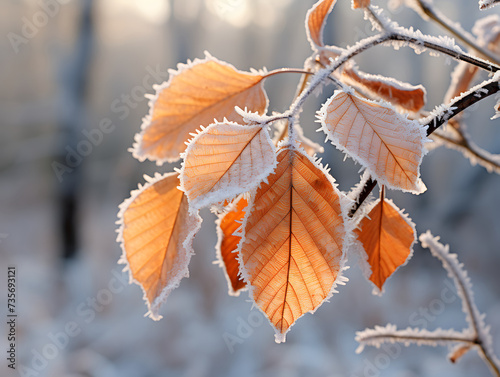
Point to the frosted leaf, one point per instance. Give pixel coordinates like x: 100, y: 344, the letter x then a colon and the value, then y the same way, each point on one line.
x: 388, y: 144
x: 360, y: 3
x: 315, y: 21
x: 225, y: 160
x: 458, y: 351
x: 195, y: 94
x: 487, y: 30
x: 228, y: 236
x: 403, y: 96
x: 461, y: 80
x: 387, y: 236
x: 156, y: 234
x: 294, y: 240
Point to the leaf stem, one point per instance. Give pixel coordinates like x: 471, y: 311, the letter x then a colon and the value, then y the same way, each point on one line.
x: 287, y: 70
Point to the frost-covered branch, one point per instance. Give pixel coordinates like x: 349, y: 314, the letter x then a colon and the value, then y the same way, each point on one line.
x: 419, y: 42
x: 476, y: 335
x: 363, y: 195
x: 325, y: 73
x: 389, y: 334
x: 455, y: 29
x: 458, y: 140
x: 485, y: 4
x: 444, y: 113
x: 464, y: 289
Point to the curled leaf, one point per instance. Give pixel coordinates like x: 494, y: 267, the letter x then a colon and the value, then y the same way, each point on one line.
x: 388, y: 144
x: 195, y: 94
x: 156, y: 235
x: 402, y: 95
x: 225, y: 160
x: 387, y: 236
x: 315, y: 21
x: 292, y: 252
x: 458, y: 351
x: 227, y: 225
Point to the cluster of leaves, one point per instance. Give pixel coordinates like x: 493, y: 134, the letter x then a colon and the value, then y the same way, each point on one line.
x: 284, y: 228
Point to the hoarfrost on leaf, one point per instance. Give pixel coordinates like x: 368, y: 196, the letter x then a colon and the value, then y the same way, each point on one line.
x: 388, y: 144
x: 156, y: 234
x: 294, y: 240
x: 225, y: 160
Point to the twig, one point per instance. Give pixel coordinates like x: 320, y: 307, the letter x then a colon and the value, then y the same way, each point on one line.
x: 486, y: 4
x: 399, y: 33
x: 464, y: 289
x: 470, y: 150
x: 475, y: 335
x: 456, y: 30
x: 459, y: 104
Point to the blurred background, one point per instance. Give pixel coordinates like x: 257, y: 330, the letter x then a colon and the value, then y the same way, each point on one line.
x: 73, y: 76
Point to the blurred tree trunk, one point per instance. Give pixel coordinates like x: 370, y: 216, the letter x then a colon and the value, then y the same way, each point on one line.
x: 74, y: 79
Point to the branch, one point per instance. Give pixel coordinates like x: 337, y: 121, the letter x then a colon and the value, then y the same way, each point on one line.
x: 389, y: 334
x: 476, y: 155
x: 418, y: 40
x: 464, y: 289
x: 456, y: 30
x: 459, y: 104
x: 486, y: 4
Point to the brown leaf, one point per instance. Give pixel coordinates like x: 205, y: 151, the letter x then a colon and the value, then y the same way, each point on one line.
x: 195, y: 95
x: 387, y: 237
x: 487, y: 30
x: 360, y: 4
x: 227, y: 224
x: 315, y: 21
x: 156, y: 234
x: 293, y: 247
x: 405, y: 96
x: 458, y: 352
x: 373, y: 134
x: 461, y: 80
x: 224, y: 160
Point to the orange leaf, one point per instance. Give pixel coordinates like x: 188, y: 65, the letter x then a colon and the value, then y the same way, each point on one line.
x: 373, y: 134
x: 405, y: 96
x: 458, y: 352
x: 227, y: 224
x: 387, y: 237
x: 224, y: 160
x: 316, y: 17
x: 156, y: 234
x: 195, y: 95
x: 292, y: 252
x: 461, y: 80
x: 360, y: 4
x: 487, y: 30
